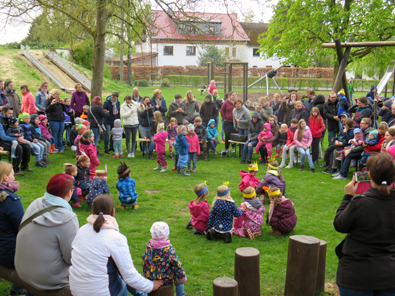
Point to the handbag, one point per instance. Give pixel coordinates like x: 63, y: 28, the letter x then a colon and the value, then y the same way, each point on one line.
x: 39, y: 213
x: 102, y: 128
x: 238, y: 138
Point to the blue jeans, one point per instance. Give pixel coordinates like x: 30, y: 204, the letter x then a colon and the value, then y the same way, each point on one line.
x: 303, y: 154
x: 67, y: 128
x: 145, y: 132
x: 249, y: 149
x: 217, y: 123
x: 118, y: 146
x: 345, y: 166
x: 179, y: 289
x: 96, y: 133
x: 39, y: 149
x: 108, y: 136
x: 192, y: 158
x: 222, y: 130
x: 57, y: 128
x: 182, y: 161
x: 213, y: 144
x: 243, y: 131
x: 127, y: 289
x: 348, y: 292
x: 331, y: 135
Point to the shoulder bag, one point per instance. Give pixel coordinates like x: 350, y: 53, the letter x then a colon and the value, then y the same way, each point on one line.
x: 102, y: 128
x: 39, y: 213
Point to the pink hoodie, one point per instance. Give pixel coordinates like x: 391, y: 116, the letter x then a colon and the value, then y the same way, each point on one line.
x: 160, y: 140
x: 248, y: 180
x: 306, y: 139
x: 44, y: 130
x: 28, y: 103
x: 200, y: 213
x: 194, y: 143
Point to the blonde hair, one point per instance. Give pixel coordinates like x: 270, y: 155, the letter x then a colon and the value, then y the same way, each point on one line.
x: 277, y: 198
x: 202, y: 197
x: 85, y: 107
x: 173, y: 119
x: 284, y: 125
x: 161, y: 126
x: 186, y: 95
x: 300, y: 130
x: 158, y: 117
x: 156, y: 91
x: 5, y: 170
x: 54, y: 91
x: 383, y: 126
x: 81, y: 158
x: 299, y: 103
x: 276, y: 95
x: 221, y: 189
x: 262, y: 99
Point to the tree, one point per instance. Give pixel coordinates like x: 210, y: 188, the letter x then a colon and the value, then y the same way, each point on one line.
x: 213, y: 54
x: 299, y: 27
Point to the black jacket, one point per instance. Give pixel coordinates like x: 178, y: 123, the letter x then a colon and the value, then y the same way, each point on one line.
x: 146, y: 117
x: 208, y: 111
x: 109, y: 107
x: 368, y: 261
x: 54, y: 112
x: 302, y: 113
x: 98, y: 112
x: 319, y: 102
x: 330, y: 111
x: 254, y: 128
x: 201, y: 132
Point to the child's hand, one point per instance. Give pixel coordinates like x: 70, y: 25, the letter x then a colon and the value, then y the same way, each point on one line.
x: 243, y: 208
x: 35, y: 141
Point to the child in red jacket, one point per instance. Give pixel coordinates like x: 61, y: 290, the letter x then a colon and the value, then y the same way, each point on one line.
x: 317, y: 126
x: 200, y: 210
x: 160, y: 140
x: 87, y: 147
x: 290, y: 145
x: 248, y: 178
x: 194, y: 148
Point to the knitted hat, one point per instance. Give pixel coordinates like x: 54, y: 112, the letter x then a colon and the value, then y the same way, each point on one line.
x: 208, y: 96
x: 160, y: 231
x: 191, y: 127
x: 184, y: 122
x: 374, y: 133
x: 58, y: 183
x: 85, y: 122
x: 78, y: 120
x: 81, y: 128
x: 23, y: 116
x: 12, y: 120
x: 388, y: 103
x: 42, y: 117
x: 357, y: 130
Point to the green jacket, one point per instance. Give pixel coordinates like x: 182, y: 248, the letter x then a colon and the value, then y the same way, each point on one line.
x: 350, y: 89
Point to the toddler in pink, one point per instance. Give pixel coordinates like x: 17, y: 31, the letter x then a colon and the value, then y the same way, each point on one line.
x: 160, y: 141
x: 172, y: 134
x: 264, y: 135
x: 200, y: 210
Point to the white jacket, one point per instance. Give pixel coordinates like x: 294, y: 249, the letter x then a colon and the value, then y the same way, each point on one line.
x: 127, y: 116
x: 90, y: 259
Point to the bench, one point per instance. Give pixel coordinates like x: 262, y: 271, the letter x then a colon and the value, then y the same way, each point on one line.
x: 5, y: 153
x: 141, y: 140
x: 12, y: 276
x: 240, y: 144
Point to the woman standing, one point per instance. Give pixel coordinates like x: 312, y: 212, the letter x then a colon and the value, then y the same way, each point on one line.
x: 288, y: 105
x: 96, y: 114
x: 146, y: 115
x: 54, y: 108
x: 241, y: 118
x: 79, y: 98
x: 130, y: 118
x: 43, y: 246
x: 227, y: 116
x: 158, y: 102
x: 113, y: 107
x: 41, y: 97
x: 191, y: 106
x: 28, y: 104
x: 367, y: 253
x: 13, y: 98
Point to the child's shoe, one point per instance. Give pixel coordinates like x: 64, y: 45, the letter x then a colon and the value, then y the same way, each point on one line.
x: 52, y: 149
x: 255, y: 152
x: 215, y: 152
x: 352, y: 166
x: 339, y: 158
x: 312, y: 170
x: 76, y: 205
x: 121, y: 207
x: 277, y: 153
x: 40, y: 164
x: 120, y: 155
x: 164, y: 170
x: 275, y: 232
x: 13, y: 153
x: 189, y: 169
x: 223, y: 141
x: 173, y: 169
x: 81, y: 198
x: 115, y: 156
x: 189, y: 224
x: 183, y: 172
x: 194, y: 170
x: 135, y: 207
x: 301, y: 168
x: 159, y: 167
x: 248, y: 233
x: 282, y: 165
x: 228, y: 238
x: 178, y: 170
x: 210, y: 234
x: 206, y: 158
x: 289, y: 166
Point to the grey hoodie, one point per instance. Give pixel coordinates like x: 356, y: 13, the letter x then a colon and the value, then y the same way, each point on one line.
x: 243, y: 114
x: 117, y: 130
x: 43, y: 247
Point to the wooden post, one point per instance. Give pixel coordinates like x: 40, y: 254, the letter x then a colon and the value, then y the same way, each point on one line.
x: 339, y: 52
x: 320, y: 285
x: 163, y: 291
x: 302, y: 265
x: 342, y: 71
x: 230, y: 78
x: 225, y: 286
x: 225, y: 70
x: 247, y: 271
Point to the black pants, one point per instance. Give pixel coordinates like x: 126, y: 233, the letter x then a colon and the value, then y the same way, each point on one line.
x: 263, y: 152
x: 131, y: 130
x: 228, y: 129
x: 315, y: 146
x: 22, y: 154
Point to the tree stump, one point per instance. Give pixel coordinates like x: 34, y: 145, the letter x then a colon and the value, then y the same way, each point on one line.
x: 224, y: 286
x: 163, y: 291
x: 302, y: 265
x: 320, y: 284
x: 247, y: 271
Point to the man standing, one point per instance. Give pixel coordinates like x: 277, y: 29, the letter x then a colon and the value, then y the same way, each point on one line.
x: 136, y: 95
x: 330, y: 113
x: 308, y: 103
x: 208, y: 110
x: 22, y: 151
x: 177, y: 109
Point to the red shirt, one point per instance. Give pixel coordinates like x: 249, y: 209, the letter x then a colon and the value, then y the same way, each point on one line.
x: 227, y: 111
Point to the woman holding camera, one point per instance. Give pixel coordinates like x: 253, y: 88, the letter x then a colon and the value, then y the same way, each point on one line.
x: 54, y: 108
x: 367, y: 254
x: 146, y: 115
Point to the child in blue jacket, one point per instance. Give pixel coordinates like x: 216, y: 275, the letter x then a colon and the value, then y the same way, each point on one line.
x: 126, y: 186
x: 183, y: 150
x: 212, y: 135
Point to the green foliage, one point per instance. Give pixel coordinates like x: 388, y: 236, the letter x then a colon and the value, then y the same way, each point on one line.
x: 83, y: 53
x: 142, y: 83
x: 107, y: 73
x: 165, y: 83
x: 212, y: 54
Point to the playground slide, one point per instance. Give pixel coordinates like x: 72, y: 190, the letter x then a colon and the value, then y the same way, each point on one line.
x: 385, y: 79
x: 68, y: 69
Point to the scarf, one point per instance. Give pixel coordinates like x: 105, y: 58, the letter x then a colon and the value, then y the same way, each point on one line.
x: 109, y: 221
x: 253, y: 204
x: 158, y: 244
x: 271, y: 207
x: 10, y: 186
x: 9, y: 91
x: 114, y: 107
x: 53, y: 200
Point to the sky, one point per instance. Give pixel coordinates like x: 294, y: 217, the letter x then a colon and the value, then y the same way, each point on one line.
x: 17, y: 32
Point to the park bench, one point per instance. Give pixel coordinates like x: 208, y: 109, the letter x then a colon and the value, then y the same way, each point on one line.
x: 239, y: 144
x: 5, y: 153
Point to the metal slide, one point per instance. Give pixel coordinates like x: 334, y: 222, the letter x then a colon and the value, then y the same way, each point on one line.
x: 268, y: 75
x: 68, y: 69
x: 383, y: 82
x: 25, y: 52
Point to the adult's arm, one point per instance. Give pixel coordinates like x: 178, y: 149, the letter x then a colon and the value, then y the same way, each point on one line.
x: 86, y: 99
x: 223, y: 110
x: 163, y: 107
x: 346, y: 214
x: 125, y: 112
x: 196, y: 106
x: 73, y: 102
x: 182, y: 106
x: 4, y: 137
x: 352, y: 109
x: 48, y: 106
x: 66, y: 235
x: 38, y: 100
x: 274, y: 138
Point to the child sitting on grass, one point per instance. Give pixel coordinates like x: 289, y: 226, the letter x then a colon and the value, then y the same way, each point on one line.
x: 172, y: 134
x: 273, y: 178
x: 282, y: 216
x: 212, y: 135
x: 160, y: 146
x: 248, y: 178
x: 250, y: 223
x: 98, y: 186
x: 194, y: 148
x: 83, y: 174
x: 116, y: 133
x: 87, y: 146
x: 221, y: 216
x: 126, y: 188
x: 160, y: 261
x: 200, y: 210
x: 71, y: 170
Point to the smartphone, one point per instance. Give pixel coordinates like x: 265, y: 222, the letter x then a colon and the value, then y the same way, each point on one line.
x: 362, y: 177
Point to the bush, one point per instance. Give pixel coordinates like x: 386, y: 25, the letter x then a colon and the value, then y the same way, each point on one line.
x: 143, y: 83
x: 165, y: 83
x: 106, y: 72
x: 83, y: 53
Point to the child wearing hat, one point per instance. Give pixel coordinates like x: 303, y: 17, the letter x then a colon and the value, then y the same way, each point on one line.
x: 282, y: 217
x: 262, y: 137
x: 221, y: 216
x: 273, y: 178
x: 43, y: 121
x: 358, y: 136
x: 71, y: 170
x: 212, y: 135
x: 372, y: 140
x: 200, y: 130
x: 183, y: 147
x: 160, y: 260
x: 249, y: 178
x: 98, y: 186
x: 200, y: 210
x: 126, y: 188
x: 250, y: 223
x: 160, y: 146
x: 15, y: 131
x: 88, y: 147
x: 194, y: 148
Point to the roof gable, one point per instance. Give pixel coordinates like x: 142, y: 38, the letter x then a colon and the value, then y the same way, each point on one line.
x: 253, y: 30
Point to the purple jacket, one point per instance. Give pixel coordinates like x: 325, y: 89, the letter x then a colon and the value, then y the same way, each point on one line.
x: 271, y: 180
x: 78, y: 101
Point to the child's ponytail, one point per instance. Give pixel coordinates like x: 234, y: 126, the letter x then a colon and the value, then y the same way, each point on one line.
x: 277, y: 198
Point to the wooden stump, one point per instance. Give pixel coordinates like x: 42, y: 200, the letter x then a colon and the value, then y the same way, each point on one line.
x: 247, y: 271
x: 320, y: 284
x: 163, y: 291
x: 302, y: 265
x: 225, y: 286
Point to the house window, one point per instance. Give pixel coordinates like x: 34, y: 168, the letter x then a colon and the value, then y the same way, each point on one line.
x: 227, y: 51
x: 191, y: 50
x: 234, y: 52
x: 190, y: 30
x: 167, y: 50
x: 255, y: 52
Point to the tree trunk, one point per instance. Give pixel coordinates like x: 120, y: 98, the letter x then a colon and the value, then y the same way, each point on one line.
x: 121, y: 44
x: 129, y: 65
x: 99, y: 49
x: 335, y: 70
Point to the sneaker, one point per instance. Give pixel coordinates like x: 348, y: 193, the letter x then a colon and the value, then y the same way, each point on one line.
x: 121, y: 207
x: 228, y: 238
x: 76, y: 205
x: 215, y: 153
x: 189, y: 170
x: 173, y: 169
x: 243, y: 161
x: 301, y: 168
x: 129, y: 155
x: 329, y: 171
x: 189, y: 224
x: 324, y: 165
x: 315, y: 162
x: 193, y: 170
x: 120, y: 155
x: 223, y: 141
x: 99, y: 154
x: 132, y: 154
x: 339, y: 177
x: 115, y: 156
x: 312, y: 170
x: 352, y: 166
x: 27, y: 170
x: 339, y: 158
x: 233, y: 150
x: 282, y: 165
x: 210, y: 234
x: 336, y: 174
x: 19, y: 174
x: 164, y: 170
x: 61, y: 151
x: 289, y: 166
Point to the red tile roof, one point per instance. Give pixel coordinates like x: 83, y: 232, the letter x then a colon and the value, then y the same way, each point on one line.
x: 134, y: 57
x: 166, y: 29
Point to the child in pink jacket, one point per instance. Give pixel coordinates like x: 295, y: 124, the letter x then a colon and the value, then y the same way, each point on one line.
x: 303, y: 139
x: 248, y: 179
x: 44, y: 129
x: 200, y: 210
x: 194, y: 148
x: 264, y: 135
x: 160, y: 140
x: 88, y: 148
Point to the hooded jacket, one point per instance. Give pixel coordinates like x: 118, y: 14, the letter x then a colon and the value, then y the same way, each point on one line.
x: 193, y: 142
x: 302, y: 113
x: 109, y: 107
x: 359, y: 148
x: 254, y: 128
x: 190, y: 108
x: 271, y: 179
x: 306, y: 138
x: 44, y: 130
x: 49, y: 238
x: 97, y: 187
x: 283, y: 218
x: 386, y: 115
x: 90, y: 150
x: 243, y: 114
x: 182, y: 144
x: 160, y: 140
x: 117, y: 130
x: 129, y: 118
x: 83, y: 174
x: 208, y: 111
x: 179, y: 116
x: 200, y: 213
x: 330, y: 111
x: 212, y: 132
x: 247, y: 180
x: 15, y: 102
x: 319, y: 102
x: 35, y: 129
x: 317, y: 126
x: 201, y: 132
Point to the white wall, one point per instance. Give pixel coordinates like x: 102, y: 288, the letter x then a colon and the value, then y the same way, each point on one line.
x: 258, y: 61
